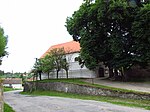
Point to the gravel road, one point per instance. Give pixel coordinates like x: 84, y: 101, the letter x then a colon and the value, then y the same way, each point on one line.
x: 26, y: 103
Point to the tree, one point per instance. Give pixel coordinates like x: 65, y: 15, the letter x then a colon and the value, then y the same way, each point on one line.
x: 65, y: 66
x: 89, y: 26
x: 48, y: 63
x: 141, y: 32
x: 58, y: 56
x: 3, y: 43
x: 120, y: 40
x: 38, y: 67
x: 82, y: 26
x: 35, y: 74
x: 55, y: 59
x: 67, y: 60
x: 104, y: 30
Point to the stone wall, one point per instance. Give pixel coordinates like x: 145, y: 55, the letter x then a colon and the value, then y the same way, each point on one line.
x: 82, y: 89
x: 1, y: 96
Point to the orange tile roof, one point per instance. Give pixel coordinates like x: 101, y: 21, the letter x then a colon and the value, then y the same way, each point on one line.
x: 12, y: 81
x: 69, y: 47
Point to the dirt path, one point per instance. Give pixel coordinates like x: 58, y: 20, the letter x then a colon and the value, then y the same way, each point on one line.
x: 26, y: 103
x: 136, y: 86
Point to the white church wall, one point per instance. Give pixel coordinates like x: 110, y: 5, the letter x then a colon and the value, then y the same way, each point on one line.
x: 75, y: 70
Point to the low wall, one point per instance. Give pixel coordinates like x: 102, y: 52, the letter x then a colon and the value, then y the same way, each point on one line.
x: 82, y: 89
x: 1, y: 97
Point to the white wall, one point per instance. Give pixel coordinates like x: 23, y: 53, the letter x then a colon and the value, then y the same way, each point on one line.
x: 75, y: 70
x: 80, y: 73
x: 74, y: 65
x: 6, y: 85
x: 18, y: 86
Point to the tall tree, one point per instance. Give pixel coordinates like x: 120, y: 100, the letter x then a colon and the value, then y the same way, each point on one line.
x: 89, y: 26
x: 120, y: 40
x: 103, y: 29
x: 85, y: 28
x: 3, y: 43
x: 141, y: 32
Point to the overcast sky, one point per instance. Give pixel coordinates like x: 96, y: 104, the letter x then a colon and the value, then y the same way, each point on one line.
x: 32, y: 27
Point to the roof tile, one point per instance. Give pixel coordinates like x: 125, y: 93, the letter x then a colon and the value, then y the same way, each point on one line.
x: 69, y: 47
x: 12, y: 81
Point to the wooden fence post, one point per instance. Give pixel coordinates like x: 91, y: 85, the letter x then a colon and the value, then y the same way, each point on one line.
x: 1, y: 97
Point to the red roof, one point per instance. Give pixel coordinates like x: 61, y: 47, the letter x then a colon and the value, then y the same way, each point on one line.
x: 69, y: 47
x: 12, y: 81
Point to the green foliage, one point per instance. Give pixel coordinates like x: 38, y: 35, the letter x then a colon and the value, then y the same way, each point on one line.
x: 65, y: 66
x: 7, y: 108
x: 10, y: 75
x: 38, y: 68
x: 54, y: 60
x: 38, y: 65
x: 85, y: 24
x: 9, y: 89
x: 82, y: 82
x: 141, y: 32
x: 48, y: 62
x: 111, y: 32
x: 58, y: 55
x: 3, y: 43
x: 30, y: 75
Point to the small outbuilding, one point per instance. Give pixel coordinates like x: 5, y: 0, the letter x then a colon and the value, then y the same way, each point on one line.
x: 13, y: 83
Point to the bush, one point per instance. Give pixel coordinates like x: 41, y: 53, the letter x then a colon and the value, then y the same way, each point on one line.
x: 138, y: 73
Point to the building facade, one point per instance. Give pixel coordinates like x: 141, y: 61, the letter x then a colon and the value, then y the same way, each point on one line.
x: 13, y: 83
x: 72, y: 50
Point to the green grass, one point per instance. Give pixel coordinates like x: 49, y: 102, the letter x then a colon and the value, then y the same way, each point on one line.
x: 81, y: 82
x: 114, y: 100
x: 7, y: 108
x: 9, y: 89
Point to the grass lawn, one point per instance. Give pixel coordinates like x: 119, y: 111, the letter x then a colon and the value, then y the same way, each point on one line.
x: 114, y: 100
x: 9, y: 89
x: 7, y: 108
x: 81, y: 82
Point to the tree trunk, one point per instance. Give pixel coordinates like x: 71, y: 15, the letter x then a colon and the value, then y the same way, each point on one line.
x: 57, y: 74
x: 48, y: 75
x: 36, y: 76
x: 67, y: 73
x: 115, y: 74
x: 40, y: 76
x: 33, y: 78
x: 125, y: 76
x: 111, y: 74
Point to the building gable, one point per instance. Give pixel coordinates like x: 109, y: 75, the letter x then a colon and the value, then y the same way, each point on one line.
x: 69, y: 47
